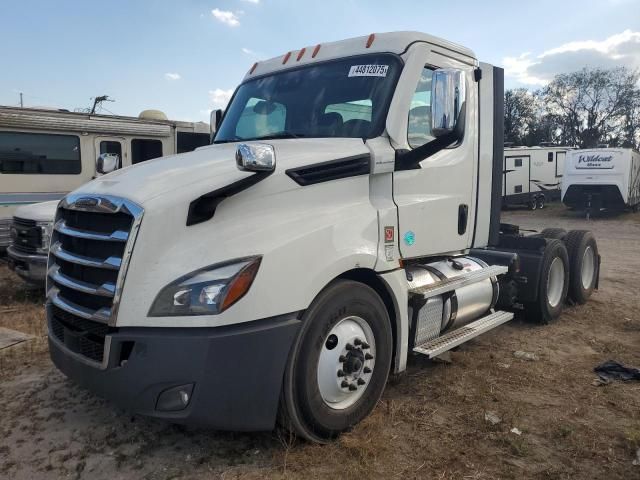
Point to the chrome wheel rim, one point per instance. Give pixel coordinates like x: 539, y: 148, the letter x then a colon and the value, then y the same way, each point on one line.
x: 555, y: 282
x: 346, y: 362
x: 588, y: 268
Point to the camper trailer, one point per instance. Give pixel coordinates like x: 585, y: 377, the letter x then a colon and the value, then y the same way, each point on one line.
x: 532, y: 175
x: 600, y: 178
x: 44, y: 154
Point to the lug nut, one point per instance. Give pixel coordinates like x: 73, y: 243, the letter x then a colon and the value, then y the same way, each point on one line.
x: 357, y: 342
x: 344, y: 384
x: 340, y: 373
x: 352, y: 387
x: 342, y: 359
x: 361, y: 381
x: 365, y: 346
x: 348, y: 346
x: 368, y: 356
x: 366, y: 370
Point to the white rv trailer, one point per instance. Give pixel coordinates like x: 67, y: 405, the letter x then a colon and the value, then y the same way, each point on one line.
x: 602, y: 178
x: 285, y: 270
x: 532, y: 175
x: 45, y: 154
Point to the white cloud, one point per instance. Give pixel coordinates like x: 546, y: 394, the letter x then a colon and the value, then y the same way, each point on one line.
x: 226, y: 17
x: 621, y: 49
x: 219, y: 97
x: 248, y: 52
x: 172, y: 76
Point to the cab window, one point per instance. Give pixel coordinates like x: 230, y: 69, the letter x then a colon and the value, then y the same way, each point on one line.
x: 261, y: 118
x: 419, y: 122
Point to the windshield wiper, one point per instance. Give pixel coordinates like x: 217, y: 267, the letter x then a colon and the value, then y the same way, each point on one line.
x: 280, y: 135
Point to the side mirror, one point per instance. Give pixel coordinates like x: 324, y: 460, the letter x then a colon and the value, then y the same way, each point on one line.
x: 214, y: 121
x: 255, y: 157
x: 448, y: 97
x: 107, y: 163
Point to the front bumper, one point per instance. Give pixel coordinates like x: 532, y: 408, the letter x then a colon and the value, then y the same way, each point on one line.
x: 32, y: 267
x: 236, y: 371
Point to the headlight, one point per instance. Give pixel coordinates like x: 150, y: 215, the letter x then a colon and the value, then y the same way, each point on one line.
x: 207, y: 291
x: 45, y: 228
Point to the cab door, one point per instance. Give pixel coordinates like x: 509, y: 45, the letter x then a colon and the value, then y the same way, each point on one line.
x: 436, y: 201
x: 114, y: 146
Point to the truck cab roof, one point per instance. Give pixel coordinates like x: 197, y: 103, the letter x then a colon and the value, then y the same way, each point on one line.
x: 390, y: 42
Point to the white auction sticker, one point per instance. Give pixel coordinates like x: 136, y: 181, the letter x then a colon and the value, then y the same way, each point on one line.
x: 368, y: 70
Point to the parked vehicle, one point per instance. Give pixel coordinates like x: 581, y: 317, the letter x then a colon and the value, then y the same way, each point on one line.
x: 602, y: 178
x: 533, y: 175
x: 292, y: 265
x: 45, y: 154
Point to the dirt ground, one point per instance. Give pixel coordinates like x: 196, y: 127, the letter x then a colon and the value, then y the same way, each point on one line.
x: 430, y: 422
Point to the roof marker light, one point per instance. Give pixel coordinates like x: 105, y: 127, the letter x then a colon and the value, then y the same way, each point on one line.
x: 370, y: 40
x: 301, y: 54
x: 253, y: 69
x: 286, y: 58
x: 315, y: 51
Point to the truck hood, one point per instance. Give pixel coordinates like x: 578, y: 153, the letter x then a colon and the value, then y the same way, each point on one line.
x: 212, y: 167
x: 38, y: 212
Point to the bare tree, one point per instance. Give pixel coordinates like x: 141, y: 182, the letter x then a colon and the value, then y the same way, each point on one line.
x: 590, y: 106
x: 519, y: 115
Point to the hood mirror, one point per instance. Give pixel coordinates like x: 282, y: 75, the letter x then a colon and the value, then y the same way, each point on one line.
x: 448, y: 96
x: 255, y: 157
x: 107, y: 163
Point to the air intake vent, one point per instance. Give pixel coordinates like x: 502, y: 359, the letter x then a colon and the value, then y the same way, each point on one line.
x: 332, y: 170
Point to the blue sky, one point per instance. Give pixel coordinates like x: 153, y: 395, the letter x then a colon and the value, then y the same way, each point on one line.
x: 183, y: 57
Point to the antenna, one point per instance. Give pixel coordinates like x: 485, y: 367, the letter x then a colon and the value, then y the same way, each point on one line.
x: 97, y: 102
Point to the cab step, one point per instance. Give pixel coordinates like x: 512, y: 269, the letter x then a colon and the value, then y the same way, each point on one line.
x: 446, y: 342
x: 463, y: 280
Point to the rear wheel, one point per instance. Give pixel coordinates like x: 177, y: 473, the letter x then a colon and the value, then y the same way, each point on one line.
x: 553, y: 284
x: 540, y: 201
x: 533, y: 203
x: 339, y: 365
x: 558, y: 233
x: 583, y: 258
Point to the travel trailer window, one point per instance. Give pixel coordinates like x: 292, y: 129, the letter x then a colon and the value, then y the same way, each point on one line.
x: 550, y: 157
x: 419, y: 128
x: 188, y: 141
x: 107, y: 146
x: 38, y: 153
x: 518, y: 162
x: 143, y: 149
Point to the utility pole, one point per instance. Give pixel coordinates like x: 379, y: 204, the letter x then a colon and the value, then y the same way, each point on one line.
x: 21, y: 103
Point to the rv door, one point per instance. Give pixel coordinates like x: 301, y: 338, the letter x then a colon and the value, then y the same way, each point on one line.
x: 114, y: 146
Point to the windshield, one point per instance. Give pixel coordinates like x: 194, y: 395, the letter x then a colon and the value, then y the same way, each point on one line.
x: 341, y: 98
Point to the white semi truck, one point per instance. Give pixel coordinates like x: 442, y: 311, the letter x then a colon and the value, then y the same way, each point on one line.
x: 602, y: 178
x: 533, y: 175
x: 286, y: 270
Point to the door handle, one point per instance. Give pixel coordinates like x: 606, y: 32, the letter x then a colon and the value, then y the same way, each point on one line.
x: 463, y: 216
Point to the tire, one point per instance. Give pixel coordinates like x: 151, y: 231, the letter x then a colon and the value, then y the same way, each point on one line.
x: 540, y: 201
x: 533, y: 203
x: 557, y: 233
x: 553, y: 284
x: 583, y: 261
x: 311, y: 405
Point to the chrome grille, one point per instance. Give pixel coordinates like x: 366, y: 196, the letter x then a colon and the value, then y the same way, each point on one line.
x: 26, y: 235
x: 5, y: 236
x: 92, y: 239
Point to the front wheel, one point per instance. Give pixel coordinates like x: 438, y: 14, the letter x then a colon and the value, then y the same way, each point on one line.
x: 540, y: 201
x: 533, y: 203
x: 338, y: 368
